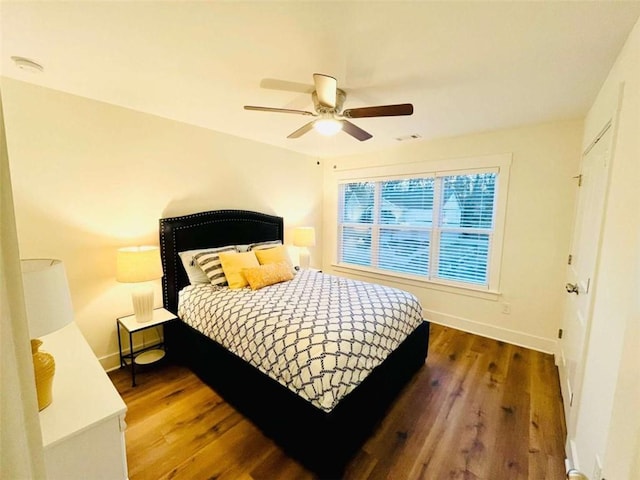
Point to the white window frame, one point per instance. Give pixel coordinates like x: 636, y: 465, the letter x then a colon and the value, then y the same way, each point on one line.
x: 500, y: 164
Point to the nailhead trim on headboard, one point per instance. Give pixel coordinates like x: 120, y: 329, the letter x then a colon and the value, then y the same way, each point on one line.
x: 241, y: 227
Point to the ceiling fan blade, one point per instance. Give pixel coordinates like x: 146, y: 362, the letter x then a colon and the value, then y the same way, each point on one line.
x: 275, y: 84
x: 326, y: 88
x: 278, y: 110
x: 379, y: 111
x: 302, y: 130
x: 355, y: 131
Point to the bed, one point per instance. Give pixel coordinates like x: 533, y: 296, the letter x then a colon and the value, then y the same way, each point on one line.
x: 322, y: 436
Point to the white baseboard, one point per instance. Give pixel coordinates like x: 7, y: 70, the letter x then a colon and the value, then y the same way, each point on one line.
x: 526, y: 340
x: 572, y: 454
x: 111, y: 361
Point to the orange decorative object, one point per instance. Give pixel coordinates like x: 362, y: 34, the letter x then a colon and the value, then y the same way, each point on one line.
x: 44, y: 368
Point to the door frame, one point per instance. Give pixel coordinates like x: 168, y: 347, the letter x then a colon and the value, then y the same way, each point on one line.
x: 611, y: 125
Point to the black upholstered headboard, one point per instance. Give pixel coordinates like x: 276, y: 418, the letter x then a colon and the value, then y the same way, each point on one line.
x: 208, y: 229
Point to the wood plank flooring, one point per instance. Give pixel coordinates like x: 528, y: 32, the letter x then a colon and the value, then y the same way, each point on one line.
x: 478, y: 410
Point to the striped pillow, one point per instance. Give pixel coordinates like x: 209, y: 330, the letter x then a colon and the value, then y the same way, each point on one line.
x: 263, y: 245
x: 194, y: 272
x: 209, y: 262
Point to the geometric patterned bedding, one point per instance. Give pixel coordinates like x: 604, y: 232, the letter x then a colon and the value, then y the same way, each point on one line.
x: 318, y: 335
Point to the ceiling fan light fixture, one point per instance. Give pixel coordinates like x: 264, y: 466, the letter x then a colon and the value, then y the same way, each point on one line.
x: 327, y: 126
x: 330, y: 117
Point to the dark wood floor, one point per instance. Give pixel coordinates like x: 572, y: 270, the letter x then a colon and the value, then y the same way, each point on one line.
x: 478, y: 409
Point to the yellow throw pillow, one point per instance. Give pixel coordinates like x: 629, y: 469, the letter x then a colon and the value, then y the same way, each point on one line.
x: 232, y: 265
x: 269, y: 274
x: 274, y: 255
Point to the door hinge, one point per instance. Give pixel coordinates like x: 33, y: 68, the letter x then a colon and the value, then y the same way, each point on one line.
x: 579, y: 177
x: 559, y: 333
x: 570, y: 259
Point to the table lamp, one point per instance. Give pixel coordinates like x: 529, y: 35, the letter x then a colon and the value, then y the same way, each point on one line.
x: 304, y: 237
x: 49, y: 308
x: 140, y: 265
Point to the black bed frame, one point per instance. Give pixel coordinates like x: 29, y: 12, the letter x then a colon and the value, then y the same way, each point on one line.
x: 323, y: 442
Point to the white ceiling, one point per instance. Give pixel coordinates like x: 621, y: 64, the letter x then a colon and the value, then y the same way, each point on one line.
x: 465, y: 66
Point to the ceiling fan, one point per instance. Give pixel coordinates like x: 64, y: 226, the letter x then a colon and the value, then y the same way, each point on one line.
x: 328, y: 100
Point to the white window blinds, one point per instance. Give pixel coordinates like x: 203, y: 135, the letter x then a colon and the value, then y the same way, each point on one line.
x: 433, y: 227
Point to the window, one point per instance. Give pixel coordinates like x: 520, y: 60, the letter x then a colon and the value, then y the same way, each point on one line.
x: 437, y: 226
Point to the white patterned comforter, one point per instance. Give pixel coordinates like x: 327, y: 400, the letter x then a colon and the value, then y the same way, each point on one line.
x: 318, y: 335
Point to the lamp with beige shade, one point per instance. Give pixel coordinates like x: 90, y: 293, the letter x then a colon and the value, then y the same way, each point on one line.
x: 140, y: 265
x: 304, y: 237
x: 49, y: 308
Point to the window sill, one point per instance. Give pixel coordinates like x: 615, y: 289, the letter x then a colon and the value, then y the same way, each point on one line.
x: 469, y: 291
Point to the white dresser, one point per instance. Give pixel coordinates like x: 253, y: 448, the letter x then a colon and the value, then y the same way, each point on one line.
x: 83, y: 428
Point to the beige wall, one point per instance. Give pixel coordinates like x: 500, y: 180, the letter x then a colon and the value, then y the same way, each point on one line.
x: 608, y: 422
x: 90, y: 177
x: 536, y: 238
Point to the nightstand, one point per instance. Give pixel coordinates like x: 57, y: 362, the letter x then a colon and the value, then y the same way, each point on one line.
x: 148, y: 354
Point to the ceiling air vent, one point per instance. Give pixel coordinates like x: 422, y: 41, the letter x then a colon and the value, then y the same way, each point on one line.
x: 413, y: 136
x: 27, y: 65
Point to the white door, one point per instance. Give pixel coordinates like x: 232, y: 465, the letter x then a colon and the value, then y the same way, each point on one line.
x: 592, y: 190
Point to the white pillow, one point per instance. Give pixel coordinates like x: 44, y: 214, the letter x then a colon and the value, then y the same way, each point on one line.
x: 194, y: 272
